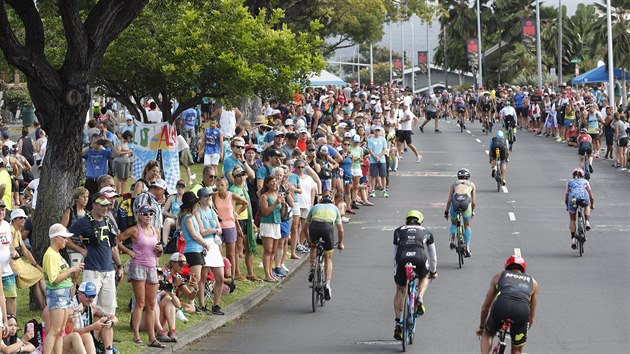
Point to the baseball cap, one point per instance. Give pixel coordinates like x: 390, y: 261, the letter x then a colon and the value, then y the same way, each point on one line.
x: 310, y: 147
x: 356, y: 139
x: 289, y: 122
x: 18, y: 213
x: 237, y: 170
x: 302, y: 130
x: 291, y: 136
x: 5, y: 133
x: 181, y: 183
x: 160, y: 183
x: 109, y: 192
x: 251, y: 147
x: 146, y: 208
x: 102, y: 200
x: 58, y: 230
x: 88, y: 288
x: 203, y: 192
x: 347, y: 135
x: 178, y: 257
x: 323, y: 150
x: 342, y: 125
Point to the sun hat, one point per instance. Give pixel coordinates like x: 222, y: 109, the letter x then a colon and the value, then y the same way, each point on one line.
x: 18, y: 213
x: 58, y: 230
x: 189, y: 200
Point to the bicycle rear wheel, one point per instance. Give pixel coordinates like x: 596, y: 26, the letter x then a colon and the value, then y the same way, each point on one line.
x: 581, y: 232
x: 460, y: 245
x: 499, y: 177
x: 320, y: 280
x: 405, y: 320
x: 314, y: 293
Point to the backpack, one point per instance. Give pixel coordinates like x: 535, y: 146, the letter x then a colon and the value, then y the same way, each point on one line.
x: 94, y: 240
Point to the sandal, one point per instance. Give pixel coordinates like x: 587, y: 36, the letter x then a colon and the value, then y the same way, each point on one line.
x: 139, y: 342
x: 272, y: 280
x: 157, y: 344
x: 253, y: 278
x: 240, y: 277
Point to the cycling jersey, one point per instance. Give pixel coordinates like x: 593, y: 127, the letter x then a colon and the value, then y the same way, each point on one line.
x: 500, y: 143
x: 579, y: 189
x: 585, y: 144
x: 411, y: 245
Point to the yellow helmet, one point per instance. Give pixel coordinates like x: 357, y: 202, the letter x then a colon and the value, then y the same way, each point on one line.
x: 415, y: 214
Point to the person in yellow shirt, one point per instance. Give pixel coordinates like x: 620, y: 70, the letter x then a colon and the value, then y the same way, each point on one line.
x: 59, y: 278
x: 5, y: 186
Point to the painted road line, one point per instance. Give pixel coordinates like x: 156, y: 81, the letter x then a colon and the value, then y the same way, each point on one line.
x: 505, y: 190
x: 487, y: 152
x: 517, y: 252
x: 479, y: 141
x: 468, y: 131
x: 512, y: 216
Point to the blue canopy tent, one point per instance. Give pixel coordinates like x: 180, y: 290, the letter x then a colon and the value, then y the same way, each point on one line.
x: 324, y: 78
x: 597, y: 75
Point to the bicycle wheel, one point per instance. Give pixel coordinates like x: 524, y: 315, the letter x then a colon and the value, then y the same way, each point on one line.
x: 322, y: 283
x: 412, y: 319
x: 581, y: 232
x: 405, y: 320
x: 498, y: 177
x: 460, y: 245
x: 314, y: 293
x: 587, y: 170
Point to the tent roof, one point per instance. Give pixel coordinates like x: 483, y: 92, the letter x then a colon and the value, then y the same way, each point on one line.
x: 597, y: 75
x: 326, y: 78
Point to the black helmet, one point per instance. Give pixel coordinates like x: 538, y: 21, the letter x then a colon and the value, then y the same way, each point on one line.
x: 326, y: 199
x: 463, y: 174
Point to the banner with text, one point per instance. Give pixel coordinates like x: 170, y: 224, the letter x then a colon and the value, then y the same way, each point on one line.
x: 422, y: 61
x: 472, y: 53
x: 156, y: 142
x: 529, y: 34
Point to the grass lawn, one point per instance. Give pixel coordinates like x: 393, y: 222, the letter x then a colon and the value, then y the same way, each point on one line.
x: 123, y: 332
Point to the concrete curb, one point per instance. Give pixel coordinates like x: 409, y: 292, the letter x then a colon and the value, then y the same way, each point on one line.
x: 232, y: 312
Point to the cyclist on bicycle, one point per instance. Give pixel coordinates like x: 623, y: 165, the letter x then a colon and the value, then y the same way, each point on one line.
x: 445, y: 101
x: 485, y: 106
x: 585, y: 148
x: 462, y: 197
x: 412, y: 243
x: 320, y: 221
x: 578, y: 191
x: 513, y: 295
x: 499, y: 142
x: 460, y: 104
x: 508, y: 115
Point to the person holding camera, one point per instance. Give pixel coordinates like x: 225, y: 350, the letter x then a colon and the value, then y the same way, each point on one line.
x: 59, y: 278
x: 272, y: 205
x: 96, y: 158
x: 95, y: 327
x: 11, y: 343
x: 142, y: 272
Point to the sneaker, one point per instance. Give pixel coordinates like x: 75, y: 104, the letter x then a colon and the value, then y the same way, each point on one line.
x: 452, y: 242
x: 398, y: 332
x: 503, y: 182
x: 573, y: 243
x: 350, y: 211
x: 203, y: 310
x: 311, y: 275
x: 624, y: 169
x: 193, y: 176
x: 385, y: 195
x: 327, y: 293
x: 588, y: 226
x: 419, y: 308
x: 421, y: 130
x: 162, y: 337
x: 180, y: 316
x: 493, y: 172
x: 284, y: 267
x: 344, y: 219
x: 418, y: 159
x: 355, y: 206
x: 559, y: 139
x: 173, y: 336
x: 467, y: 253
x: 216, y: 310
x: 590, y: 168
x: 277, y: 271
x: 373, y: 194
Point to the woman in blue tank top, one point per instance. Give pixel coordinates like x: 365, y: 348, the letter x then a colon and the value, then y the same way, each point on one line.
x: 171, y: 209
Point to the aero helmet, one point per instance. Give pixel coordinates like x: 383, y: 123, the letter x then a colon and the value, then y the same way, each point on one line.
x: 583, y: 131
x: 500, y: 134
x: 578, y: 171
x: 415, y: 214
x: 463, y: 173
x: 518, y: 260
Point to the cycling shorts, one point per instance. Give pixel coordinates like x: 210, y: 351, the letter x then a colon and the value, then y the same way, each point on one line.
x: 581, y: 197
x: 464, y: 206
x: 461, y: 109
x: 324, y: 231
x: 502, y: 153
x: 509, y: 121
x: 585, y: 148
x: 517, y: 311
x: 414, y: 256
x: 405, y: 137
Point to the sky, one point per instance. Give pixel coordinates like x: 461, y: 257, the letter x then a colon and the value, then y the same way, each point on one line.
x: 420, y: 34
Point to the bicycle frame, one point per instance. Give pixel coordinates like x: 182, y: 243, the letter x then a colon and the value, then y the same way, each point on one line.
x: 498, y: 176
x: 318, y: 282
x: 505, y: 329
x: 580, y: 227
x: 409, y: 319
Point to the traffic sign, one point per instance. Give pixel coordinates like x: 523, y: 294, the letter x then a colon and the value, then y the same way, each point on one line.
x: 576, y: 60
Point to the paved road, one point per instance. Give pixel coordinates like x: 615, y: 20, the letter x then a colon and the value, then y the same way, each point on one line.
x: 583, y: 302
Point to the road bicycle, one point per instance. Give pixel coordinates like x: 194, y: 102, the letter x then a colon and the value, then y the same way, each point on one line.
x: 580, y: 224
x: 510, y: 132
x: 498, y: 176
x: 587, y: 168
x: 409, y: 317
x: 506, y: 325
x: 459, y: 241
x: 318, y: 282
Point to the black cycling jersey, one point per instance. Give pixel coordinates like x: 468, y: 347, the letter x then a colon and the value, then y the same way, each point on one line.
x: 411, y: 241
x: 516, y: 286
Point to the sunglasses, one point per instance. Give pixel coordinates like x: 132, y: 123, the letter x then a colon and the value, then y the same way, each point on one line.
x: 299, y: 167
x: 212, y: 176
x: 21, y: 218
x: 311, y: 150
x: 91, y: 296
x: 240, y: 175
x: 239, y: 146
x: 181, y: 263
x: 346, y: 144
x: 148, y: 214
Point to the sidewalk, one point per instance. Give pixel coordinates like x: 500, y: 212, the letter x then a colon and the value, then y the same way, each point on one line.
x: 232, y: 312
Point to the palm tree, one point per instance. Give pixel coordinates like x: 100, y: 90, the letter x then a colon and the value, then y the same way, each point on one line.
x: 458, y: 24
x: 620, y: 18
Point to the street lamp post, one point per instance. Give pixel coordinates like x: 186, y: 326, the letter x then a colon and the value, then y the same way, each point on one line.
x: 538, y: 50
x: 480, y: 59
x: 428, y: 60
x: 402, y: 62
x: 391, y: 71
x: 611, y: 68
x: 559, y: 43
x: 413, y: 51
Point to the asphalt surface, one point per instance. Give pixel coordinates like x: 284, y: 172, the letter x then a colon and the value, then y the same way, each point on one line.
x: 583, y: 301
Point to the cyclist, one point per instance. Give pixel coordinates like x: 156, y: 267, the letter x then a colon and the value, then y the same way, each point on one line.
x: 513, y: 295
x: 499, y: 141
x: 320, y: 221
x: 579, y: 189
x: 445, y: 101
x: 585, y: 148
x: 460, y: 104
x: 462, y: 197
x: 485, y: 106
x: 412, y: 243
x: 508, y: 115
x: 471, y: 97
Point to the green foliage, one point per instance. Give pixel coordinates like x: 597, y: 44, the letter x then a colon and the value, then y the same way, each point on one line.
x: 215, y: 48
x: 17, y: 97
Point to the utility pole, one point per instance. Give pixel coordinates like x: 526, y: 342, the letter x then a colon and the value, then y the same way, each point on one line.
x: 444, y: 50
x: 560, y: 81
x: 538, y: 50
x: 611, y: 67
x: 480, y: 74
x: 428, y: 60
x: 391, y: 71
x: 402, y: 65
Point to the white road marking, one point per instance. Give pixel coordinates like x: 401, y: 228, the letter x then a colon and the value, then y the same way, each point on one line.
x: 487, y: 152
x: 468, y: 131
x: 479, y: 141
x: 512, y: 216
x: 517, y: 252
x: 505, y: 190
x: 515, y: 233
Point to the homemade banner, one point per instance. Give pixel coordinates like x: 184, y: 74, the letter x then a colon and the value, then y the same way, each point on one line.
x: 156, y: 142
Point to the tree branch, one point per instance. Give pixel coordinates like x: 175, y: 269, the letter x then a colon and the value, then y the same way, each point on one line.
x: 34, y: 38
x: 77, y: 53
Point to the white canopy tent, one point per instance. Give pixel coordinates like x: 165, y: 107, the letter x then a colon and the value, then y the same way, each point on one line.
x: 324, y: 78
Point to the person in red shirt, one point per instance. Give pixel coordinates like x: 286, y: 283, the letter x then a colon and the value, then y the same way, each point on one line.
x: 585, y: 148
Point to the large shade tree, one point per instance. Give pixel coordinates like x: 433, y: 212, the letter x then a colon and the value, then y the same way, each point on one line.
x: 61, y: 91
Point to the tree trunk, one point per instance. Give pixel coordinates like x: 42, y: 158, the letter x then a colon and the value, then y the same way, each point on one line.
x: 251, y: 107
x: 62, y: 165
